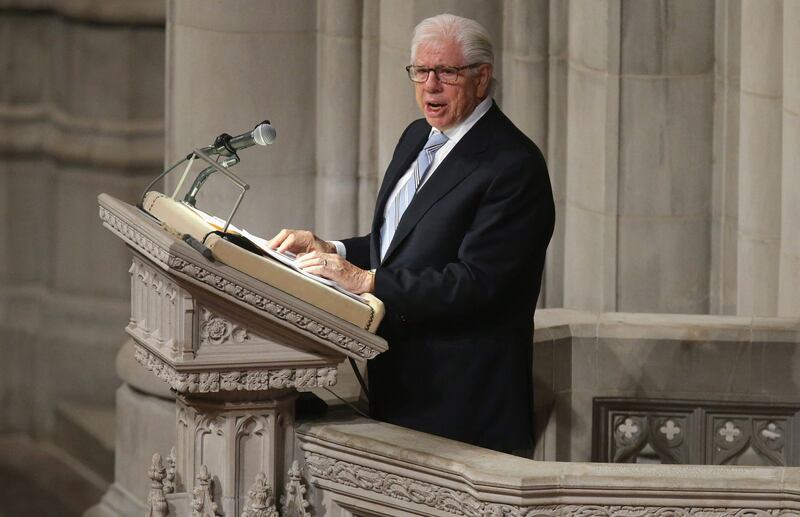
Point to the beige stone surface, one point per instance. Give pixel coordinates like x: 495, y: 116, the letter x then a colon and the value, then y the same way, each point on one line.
x: 338, y: 450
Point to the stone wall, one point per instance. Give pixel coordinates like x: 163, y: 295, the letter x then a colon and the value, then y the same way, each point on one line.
x: 81, y: 112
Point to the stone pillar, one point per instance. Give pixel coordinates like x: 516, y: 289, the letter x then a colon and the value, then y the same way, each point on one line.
x: 368, y: 139
x: 229, y: 66
x: 638, y: 160
x: 789, y: 271
x: 236, y: 436
x: 558, y: 31
x: 592, y: 141
x: 725, y: 193
x: 665, y: 158
x: 760, y: 158
x: 338, y: 117
x: 525, y: 86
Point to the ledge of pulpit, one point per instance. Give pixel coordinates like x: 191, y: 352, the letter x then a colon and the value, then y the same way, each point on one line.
x: 366, y: 467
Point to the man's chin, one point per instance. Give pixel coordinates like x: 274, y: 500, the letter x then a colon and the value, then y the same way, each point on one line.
x: 439, y: 122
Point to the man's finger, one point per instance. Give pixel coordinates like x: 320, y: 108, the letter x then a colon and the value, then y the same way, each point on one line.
x: 287, y: 243
x: 278, y: 239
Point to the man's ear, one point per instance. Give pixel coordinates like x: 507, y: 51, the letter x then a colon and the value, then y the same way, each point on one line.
x: 484, y: 80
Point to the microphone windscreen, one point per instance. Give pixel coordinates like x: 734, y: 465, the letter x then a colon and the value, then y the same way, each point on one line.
x: 264, y: 134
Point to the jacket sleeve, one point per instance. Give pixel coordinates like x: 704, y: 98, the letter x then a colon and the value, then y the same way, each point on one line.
x: 504, y: 246
x: 357, y: 249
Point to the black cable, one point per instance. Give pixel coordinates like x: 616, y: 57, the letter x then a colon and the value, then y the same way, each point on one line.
x: 359, y: 377
x: 140, y: 205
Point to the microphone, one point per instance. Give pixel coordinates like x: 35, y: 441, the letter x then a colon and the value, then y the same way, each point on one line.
x: 227, y: 145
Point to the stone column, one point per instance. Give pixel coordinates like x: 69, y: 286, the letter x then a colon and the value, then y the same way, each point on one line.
x: 368, y: 139
x: 725, y: 182
x: 760, y: 158
x: 526, y: 96
x: 235, y: 436
x: 789, y: 271
x: 592, y: 141
x: 558, y: 31
x: 338, y: 99
x: 665, y: 158
x: 229, y: 66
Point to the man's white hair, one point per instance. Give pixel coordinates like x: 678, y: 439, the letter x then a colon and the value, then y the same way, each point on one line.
x: 470, y: 35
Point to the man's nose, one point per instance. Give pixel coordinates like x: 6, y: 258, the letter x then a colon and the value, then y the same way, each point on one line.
x: 432, y: 82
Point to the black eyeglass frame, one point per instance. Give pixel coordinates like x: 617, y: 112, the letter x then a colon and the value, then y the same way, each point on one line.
x: 437, y: 70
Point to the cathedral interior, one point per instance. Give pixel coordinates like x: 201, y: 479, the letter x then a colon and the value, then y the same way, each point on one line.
x: 668, y: 325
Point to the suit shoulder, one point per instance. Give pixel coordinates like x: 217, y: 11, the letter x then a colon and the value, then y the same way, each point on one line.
x: 511, y: 136
x: 417, y: 127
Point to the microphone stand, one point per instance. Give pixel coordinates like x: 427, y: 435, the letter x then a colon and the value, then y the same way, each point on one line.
x: 190, y: 198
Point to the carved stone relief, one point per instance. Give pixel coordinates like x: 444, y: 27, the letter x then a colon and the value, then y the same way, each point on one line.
x: 216, y: 330
x: 203, y: 504
x: 156, y: 500
x: 161, y: 312
x: 713, y: 433
x: 293, y: 501
x: 260, y: 501
x: 249, y: 380
x: 456, y: 502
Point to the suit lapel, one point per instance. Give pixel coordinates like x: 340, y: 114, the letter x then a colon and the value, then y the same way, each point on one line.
x: 406, y: 155
x: 460, y: 162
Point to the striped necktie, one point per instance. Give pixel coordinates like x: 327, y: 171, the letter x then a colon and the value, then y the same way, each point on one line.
x: 398, y: 204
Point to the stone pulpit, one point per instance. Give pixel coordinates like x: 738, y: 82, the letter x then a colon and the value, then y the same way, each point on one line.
x: 234, y: 350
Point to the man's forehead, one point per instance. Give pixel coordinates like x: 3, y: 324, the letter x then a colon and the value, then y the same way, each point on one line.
x: 439, y: 52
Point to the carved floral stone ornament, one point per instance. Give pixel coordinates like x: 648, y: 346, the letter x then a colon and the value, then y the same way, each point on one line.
x: 156, y: 501
x: 203, y: 504
x: 216, y: 330
x: 260, y: 502
x: 293, y: 501
x: 250, y: 380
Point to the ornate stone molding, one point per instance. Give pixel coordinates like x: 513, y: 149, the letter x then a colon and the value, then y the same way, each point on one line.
x: 170, y: 472
x: 293, y: 501
x: 216, y: 330
x: 249, y: 380
x: 260, y: 501
x: 458, y: 502
x: 271, y: 307
x: 134, y: 236
x: 203, y: 504
x: 156, y: 501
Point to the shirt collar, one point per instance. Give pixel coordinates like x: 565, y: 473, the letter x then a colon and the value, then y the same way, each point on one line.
x: 456, y: 133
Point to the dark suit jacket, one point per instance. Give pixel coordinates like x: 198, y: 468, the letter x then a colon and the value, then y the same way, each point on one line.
x: 460, y: 282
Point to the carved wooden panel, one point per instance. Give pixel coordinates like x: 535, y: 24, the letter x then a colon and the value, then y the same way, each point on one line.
x: 695, y: 432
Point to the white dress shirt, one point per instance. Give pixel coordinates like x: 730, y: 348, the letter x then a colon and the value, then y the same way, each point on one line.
x: 454, y: 135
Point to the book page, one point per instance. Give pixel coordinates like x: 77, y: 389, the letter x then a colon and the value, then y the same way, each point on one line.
x: 286, y: 258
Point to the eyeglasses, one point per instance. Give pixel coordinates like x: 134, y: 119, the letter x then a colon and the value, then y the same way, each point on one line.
x: 444, y: 74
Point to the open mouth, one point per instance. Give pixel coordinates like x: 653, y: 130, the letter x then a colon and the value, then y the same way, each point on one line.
x: 434, y: 106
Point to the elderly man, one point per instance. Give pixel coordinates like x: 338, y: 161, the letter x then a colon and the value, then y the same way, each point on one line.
x: 456, y: 250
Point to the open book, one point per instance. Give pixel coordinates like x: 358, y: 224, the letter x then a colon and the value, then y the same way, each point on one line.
x: 290, y: 259
x: 276, y: 269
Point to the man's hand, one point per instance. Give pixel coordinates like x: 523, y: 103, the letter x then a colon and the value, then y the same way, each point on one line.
x: 300, y: 241
x: 334, y: 267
